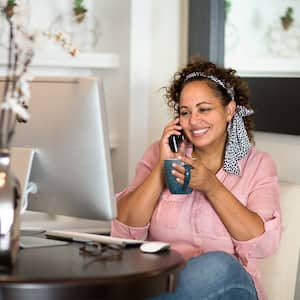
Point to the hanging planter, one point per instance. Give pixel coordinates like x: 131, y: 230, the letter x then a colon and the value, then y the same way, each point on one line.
x: 79, y: 10
x: 287, y: 19
x: 81, y: 25
x: 9, y: 8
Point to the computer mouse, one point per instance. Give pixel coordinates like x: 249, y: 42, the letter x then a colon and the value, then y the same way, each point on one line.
x: 154, y: 246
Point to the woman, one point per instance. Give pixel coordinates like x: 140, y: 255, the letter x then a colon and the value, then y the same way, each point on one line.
x: 232, y: 217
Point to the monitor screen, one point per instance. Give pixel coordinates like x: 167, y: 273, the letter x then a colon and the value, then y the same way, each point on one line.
x: 68, y: 131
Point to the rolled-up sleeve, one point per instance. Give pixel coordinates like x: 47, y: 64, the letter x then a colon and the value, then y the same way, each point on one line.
x: 263, y: 200
x: 119, y: 229
x: 143, y: 169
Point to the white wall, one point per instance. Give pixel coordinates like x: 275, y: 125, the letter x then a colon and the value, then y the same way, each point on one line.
x: 157, y: 50
x: 150, y: 37
x: 285, y: 151
x: 114, y: 16
x: 169, y: 45
x: 140, y: 54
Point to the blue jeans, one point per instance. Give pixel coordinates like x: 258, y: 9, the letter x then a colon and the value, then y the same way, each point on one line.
x: 213, y: 276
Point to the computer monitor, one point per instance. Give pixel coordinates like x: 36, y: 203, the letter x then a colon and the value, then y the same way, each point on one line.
x: 68, y: 131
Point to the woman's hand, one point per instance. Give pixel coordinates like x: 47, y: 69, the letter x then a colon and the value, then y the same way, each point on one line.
x: 165, y: 150
x: 201, y: 179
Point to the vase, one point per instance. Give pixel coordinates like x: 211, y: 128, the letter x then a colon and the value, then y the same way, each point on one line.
x: 10, y: 203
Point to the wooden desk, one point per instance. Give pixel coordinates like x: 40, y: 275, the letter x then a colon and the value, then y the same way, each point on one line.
x: 60, y: 273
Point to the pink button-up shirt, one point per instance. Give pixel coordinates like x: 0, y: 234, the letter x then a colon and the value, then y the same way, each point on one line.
x: 192, y: 226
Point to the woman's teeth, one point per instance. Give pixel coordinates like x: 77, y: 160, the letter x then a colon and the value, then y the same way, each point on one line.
x: 200, y: 131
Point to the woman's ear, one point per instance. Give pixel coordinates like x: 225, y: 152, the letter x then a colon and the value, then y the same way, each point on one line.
x: 230, y: 110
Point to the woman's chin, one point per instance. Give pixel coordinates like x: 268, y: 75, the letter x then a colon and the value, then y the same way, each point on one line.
x: 197, y: 142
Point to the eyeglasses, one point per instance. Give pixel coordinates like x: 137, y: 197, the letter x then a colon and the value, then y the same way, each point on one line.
x: 101, y: 252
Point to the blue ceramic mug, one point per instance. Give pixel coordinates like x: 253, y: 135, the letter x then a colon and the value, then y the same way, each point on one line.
x: 174, y: 186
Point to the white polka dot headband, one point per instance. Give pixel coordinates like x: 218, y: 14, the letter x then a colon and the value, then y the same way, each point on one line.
x: 229, y: 90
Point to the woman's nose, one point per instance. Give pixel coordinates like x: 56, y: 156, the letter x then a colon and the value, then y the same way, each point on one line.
x: 194, y: 118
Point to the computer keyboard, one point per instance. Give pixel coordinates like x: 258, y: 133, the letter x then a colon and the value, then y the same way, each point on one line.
x: 90, y: 237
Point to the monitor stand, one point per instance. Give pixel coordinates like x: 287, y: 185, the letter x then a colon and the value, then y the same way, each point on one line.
x: 34, y: 223
x: 20, y: 165
x: 40, y: 222
x: 29, y: 241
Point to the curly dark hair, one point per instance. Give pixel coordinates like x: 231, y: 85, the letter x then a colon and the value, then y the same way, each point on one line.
x: 227, y: 76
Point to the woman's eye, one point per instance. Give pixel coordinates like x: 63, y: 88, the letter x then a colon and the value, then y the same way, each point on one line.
x: 203, y: 109
x: 183, y: 113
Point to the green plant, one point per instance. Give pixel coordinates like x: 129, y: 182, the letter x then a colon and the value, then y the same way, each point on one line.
x: 79, y: 7
x: 79, y: 10
x: 227, y: 5
x: 287, y: 19
x: 289, y: 13
x: 11, y: 3
x: 9, y: 8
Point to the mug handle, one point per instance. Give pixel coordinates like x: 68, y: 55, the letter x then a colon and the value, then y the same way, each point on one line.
x: 187, y: 177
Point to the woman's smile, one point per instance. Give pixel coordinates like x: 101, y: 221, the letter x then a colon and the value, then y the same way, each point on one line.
x: 199, y: 132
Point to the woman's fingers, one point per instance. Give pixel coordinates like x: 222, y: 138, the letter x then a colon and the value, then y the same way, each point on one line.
x: 187, y: 160
x: 172, y: 128
x: 178, y: 172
